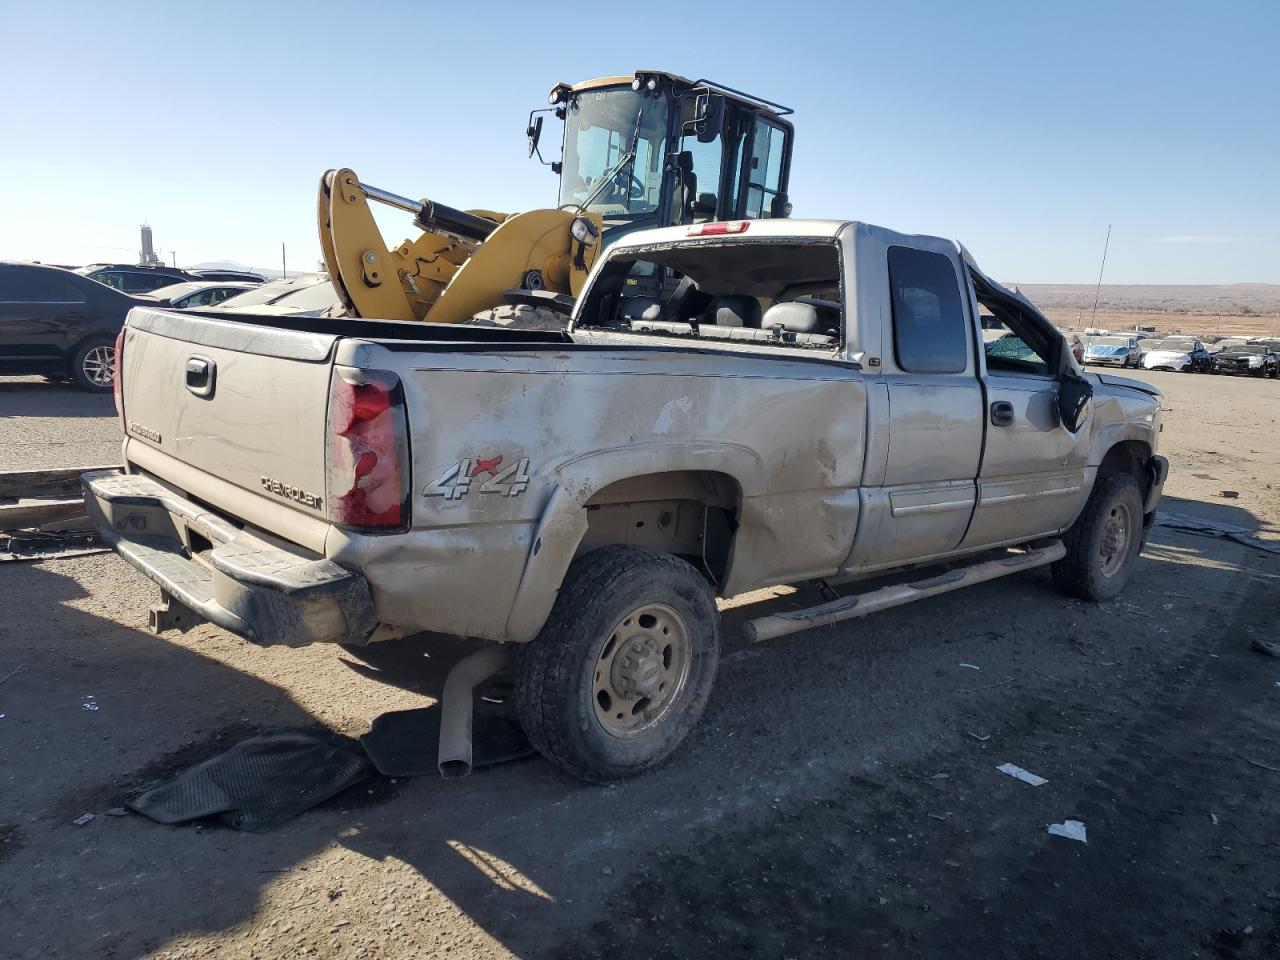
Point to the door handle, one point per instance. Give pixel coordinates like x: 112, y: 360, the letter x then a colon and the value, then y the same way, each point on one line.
x: 1002, y: 413
x: 201, y: 376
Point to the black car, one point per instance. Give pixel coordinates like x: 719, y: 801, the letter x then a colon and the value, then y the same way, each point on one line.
x: 131, y: 278
x: 1255, y: 359
x: 61, y: 324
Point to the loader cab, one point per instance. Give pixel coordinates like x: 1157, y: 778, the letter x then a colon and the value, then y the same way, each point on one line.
x: 659, y: 150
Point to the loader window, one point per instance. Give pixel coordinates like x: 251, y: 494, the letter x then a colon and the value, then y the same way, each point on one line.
x: 766, y: 169
x: 599, y: 128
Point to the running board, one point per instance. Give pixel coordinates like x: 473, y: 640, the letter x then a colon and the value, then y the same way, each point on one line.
x: 860, y: 605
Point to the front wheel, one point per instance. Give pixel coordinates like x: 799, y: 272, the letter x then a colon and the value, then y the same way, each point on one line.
x: 1104, y: 542
x: 623, y: 667
x: 93, y: 367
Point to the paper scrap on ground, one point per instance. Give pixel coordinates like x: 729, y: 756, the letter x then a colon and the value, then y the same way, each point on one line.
x: 1071, y: 829
x: 1026, y: 776
x: 971, y: 666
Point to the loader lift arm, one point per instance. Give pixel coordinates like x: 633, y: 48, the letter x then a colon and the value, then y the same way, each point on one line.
x: 457, y: 267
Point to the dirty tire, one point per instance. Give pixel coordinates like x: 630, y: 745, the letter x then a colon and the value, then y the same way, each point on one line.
x: 558, y: 673
x: 1085, y: 572
x: 87, y: 365
x: 522, y: 317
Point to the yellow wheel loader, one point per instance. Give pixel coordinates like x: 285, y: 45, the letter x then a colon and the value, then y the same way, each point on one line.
x: 647, y: 150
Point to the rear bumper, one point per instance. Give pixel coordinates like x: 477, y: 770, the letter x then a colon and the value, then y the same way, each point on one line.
x: 254, y: 589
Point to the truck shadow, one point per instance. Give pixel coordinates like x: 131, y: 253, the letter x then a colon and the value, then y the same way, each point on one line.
x: 521, y: 858
x: 36, y: 397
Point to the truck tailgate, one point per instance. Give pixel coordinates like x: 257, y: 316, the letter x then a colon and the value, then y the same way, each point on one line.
x: 241, y: 403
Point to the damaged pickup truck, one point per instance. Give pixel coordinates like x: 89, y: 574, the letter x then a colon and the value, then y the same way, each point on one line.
x: 734, y: 405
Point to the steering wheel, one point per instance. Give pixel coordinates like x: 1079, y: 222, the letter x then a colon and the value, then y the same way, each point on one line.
x: 632, y: 191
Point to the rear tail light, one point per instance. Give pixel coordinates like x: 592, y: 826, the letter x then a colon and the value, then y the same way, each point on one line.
x: 367, y: 457
x: 117, y: 381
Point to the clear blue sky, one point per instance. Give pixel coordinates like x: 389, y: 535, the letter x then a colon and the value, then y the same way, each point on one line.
x: 1020, y: 128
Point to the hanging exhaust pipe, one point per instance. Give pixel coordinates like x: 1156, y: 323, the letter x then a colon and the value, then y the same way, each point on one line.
x: 457, y: 707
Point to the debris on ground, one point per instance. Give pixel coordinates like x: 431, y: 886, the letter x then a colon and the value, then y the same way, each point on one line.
x: 88, y: 703
x: 1026, y: 776
x: 1212, y: 528
x: 1071, y: 829
x: 971, y: 666
x: 1270, y: 647
x: 117, y: 812
x: 81, y: 820
x: 14, y: 672
x: 258, y: 784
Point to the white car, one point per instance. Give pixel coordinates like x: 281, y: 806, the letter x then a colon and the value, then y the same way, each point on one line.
x: 1179, y: 354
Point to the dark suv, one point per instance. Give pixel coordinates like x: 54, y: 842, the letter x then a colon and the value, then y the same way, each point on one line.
x: 129, y: 278
x: 60, y: 324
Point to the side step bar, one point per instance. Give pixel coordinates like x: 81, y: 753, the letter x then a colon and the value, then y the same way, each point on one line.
x: 860, y: 605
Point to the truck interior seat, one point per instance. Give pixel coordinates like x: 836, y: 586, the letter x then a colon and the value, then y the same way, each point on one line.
x: 733, y: 311
x: 804, y: 316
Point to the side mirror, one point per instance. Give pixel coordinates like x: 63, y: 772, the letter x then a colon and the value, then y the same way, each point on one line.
x: 534, y: 133
x: 1074, y: 394
x: 708, y: 120
x: 780, y: 208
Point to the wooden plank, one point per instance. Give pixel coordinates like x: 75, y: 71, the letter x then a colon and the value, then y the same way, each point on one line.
x: 63, y: 481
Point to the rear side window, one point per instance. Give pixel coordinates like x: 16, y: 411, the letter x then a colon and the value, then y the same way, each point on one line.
x: 929, y: 334
x: 145, y: 282
x: 36, y: 286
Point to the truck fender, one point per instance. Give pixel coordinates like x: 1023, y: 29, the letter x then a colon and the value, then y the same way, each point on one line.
x: 564, y: 519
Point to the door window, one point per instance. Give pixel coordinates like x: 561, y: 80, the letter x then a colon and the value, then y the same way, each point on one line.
x: 37, y: 286
x: 929, y: 329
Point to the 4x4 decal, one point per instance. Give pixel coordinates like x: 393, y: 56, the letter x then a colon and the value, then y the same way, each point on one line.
x: 457, y: 481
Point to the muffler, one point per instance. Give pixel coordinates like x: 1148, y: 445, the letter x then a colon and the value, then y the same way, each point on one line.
x: 457, y: 707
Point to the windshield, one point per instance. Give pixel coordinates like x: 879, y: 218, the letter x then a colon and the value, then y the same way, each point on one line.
x: 1182, y: 346
x: 599, y: 125
x: 1253, y: 350
x: 1110, y: 342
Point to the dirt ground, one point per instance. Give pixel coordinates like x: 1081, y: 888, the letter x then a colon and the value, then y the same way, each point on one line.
x: 840, y: 799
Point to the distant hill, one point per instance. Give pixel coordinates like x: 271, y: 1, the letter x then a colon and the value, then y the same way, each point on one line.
x: 1236, y: 299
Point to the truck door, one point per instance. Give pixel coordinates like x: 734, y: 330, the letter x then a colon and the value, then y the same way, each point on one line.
x: 1033, y: 479
x: 935, y: 409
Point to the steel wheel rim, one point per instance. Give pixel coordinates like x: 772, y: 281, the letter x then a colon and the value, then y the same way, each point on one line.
x: 1117, y: 531
x: 641, y: 670
x: 99, y: 366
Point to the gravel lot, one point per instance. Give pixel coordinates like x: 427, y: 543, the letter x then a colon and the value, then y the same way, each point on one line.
x: 839, y: 800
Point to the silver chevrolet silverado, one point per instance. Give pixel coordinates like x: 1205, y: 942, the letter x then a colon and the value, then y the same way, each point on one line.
x: 732, y: 405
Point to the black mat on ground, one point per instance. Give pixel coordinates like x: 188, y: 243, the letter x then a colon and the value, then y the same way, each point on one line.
x: 406, y: 743
x: 258, y: 784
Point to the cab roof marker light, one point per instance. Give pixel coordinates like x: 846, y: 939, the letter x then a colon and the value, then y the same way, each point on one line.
x: 719, y: 228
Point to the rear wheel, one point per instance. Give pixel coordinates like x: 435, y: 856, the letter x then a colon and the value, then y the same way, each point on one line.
x: 93, y: 367
x: 1104, y: 542
x: 623, y: 667
x: 520, y: 316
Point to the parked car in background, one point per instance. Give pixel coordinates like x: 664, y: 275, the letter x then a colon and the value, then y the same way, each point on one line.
x: 1255, y: 359
x: 1113, y: 352
x: 198, y: 293
x: 1180, y: 354
x: 60, y: 324
x: 311, y: 295
x: 238, y: 275
x: 131, y: 278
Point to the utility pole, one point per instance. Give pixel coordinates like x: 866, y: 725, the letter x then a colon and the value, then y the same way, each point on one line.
x: 284, y: 270
x: 1098, y: 290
